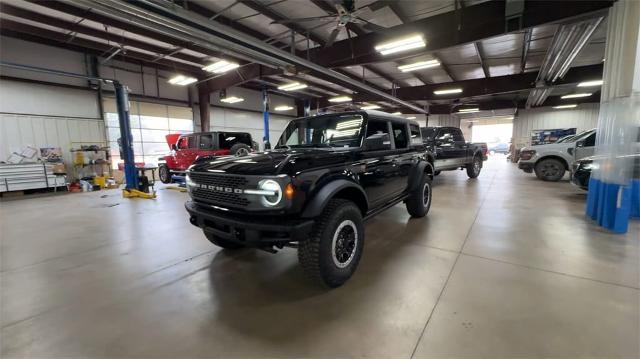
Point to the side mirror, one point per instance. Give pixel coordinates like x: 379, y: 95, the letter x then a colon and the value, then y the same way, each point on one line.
x: 580, y: 143
x: 174, y: 147
x: 377, y: 142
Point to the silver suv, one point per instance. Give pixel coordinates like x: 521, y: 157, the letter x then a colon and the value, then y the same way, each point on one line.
x: 550, y: 162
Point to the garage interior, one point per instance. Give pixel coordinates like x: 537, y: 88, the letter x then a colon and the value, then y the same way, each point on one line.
x: 504, y: 265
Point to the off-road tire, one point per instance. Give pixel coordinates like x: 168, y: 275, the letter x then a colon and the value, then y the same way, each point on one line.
x: 550, y: 169
x: 221, y: 242
x: 316, y: 254
x: 240, y: 149
x: 164, y: 174
x: 474, y: 168
x: 418, y: 204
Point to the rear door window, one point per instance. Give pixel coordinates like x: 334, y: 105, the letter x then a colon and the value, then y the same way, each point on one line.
x: 457, y: 135
x: 377, y: 127
x: 206, y: 141
x: 400, y: 136
x: 228, y: 139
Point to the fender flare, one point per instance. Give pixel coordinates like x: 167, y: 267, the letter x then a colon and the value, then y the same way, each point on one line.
x: 423, y: 168
x: 322, y: 197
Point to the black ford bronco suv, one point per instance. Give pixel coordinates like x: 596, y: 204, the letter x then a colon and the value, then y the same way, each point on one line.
x: 326, y: 175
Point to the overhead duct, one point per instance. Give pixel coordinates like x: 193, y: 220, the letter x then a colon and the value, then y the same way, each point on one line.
x: 568, y: 41
x: 166, y: 18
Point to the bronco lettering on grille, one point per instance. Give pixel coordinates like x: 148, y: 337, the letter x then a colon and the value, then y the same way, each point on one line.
x: 219, y: 188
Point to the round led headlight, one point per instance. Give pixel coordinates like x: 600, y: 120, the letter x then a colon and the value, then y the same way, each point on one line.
x: 273, y: 186
x: 189, y: 181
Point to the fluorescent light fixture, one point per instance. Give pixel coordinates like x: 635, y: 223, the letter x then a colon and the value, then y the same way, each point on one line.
x: 469, y: 110
x: 590, y: 83
x: 340, y: 99
x: 407, y: 43
x: 447, y: 91
x: 564, y: 106
x: 411, y: 118
x: 182, y: 80
x: 576, y: 95
x: 232, y: 99
x: 370, y: 107
x: 397, y: 113
x: 292, y: 86
x: 283, y: 108
x: 221, y: 67
x: 419, y: 65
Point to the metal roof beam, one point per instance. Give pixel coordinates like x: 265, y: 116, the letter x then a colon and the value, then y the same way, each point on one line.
x: 8, y: 9
x: 123, y: 25
x: 239, y: 76
x: 441, y: 31
x: 480, y: 54
x: 35, y: 34
x: 270, y: 13
x: 486, y: 86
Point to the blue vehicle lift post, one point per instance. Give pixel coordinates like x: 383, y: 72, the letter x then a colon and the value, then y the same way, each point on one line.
x: 265, y: 115
x: 132, y: 180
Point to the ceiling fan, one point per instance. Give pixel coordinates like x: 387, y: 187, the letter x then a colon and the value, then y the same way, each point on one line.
x: 346, y: 13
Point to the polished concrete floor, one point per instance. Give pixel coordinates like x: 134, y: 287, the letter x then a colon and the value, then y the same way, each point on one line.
x: 503, y: 266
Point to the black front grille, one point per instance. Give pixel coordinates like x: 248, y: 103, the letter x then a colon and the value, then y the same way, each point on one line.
x: 219, y: 195
x: 218, y: 180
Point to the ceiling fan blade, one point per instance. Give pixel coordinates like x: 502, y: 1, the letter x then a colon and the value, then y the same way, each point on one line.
x: 333, y: 36
x: 304, y: 19
x: 369, y: 26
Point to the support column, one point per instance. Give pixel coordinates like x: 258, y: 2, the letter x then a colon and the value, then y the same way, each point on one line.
x: 204, y: 102
x: 265, y: 115
x: 126, y: 139
x: 614, y: 193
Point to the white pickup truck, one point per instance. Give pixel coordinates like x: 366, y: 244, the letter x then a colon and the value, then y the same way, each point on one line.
x: 550, y: 162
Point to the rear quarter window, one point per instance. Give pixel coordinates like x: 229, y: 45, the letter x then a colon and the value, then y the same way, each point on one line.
x: 416, y: 137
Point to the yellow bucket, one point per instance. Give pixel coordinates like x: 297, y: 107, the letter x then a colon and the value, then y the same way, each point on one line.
x: 100, y: 181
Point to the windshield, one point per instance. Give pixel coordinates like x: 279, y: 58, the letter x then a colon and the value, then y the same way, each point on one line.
x: 325, y: 131
x: 566, y: 139
x: 580, y: 136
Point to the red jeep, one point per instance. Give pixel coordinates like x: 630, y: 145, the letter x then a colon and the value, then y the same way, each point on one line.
x: 186, y: 148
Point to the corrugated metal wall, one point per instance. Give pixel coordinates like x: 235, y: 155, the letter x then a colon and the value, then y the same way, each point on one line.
x: 47, y: 116
x: 17, y: 131
x: 583, y: 117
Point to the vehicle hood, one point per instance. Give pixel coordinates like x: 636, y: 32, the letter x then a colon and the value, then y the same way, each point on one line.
x: 272, y: 162
x: 172, y: 139
x: 550, y: 147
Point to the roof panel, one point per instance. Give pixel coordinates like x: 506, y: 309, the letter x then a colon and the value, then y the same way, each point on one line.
x: 509, y: 45
x: 467, y: 72
x: 416, y: 10
x: 464, y: 54
x: 503, y: 67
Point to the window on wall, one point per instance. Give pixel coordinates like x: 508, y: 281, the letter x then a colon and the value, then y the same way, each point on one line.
x: 150, y: 123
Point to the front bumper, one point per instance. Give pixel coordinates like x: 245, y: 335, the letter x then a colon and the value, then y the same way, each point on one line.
x: 580, y: 178
x: 251, y: 231
x: 526, y: 166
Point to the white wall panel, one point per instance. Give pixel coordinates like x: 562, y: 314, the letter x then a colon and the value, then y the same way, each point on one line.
x: 443, y: 120
x: 583, y: 117
x: 33, y: 54
x: 35, y: 99
x: 17, y: 131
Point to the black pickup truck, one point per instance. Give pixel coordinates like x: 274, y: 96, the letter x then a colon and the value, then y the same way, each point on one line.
x: 326, y: 175
x: 451, y: 151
